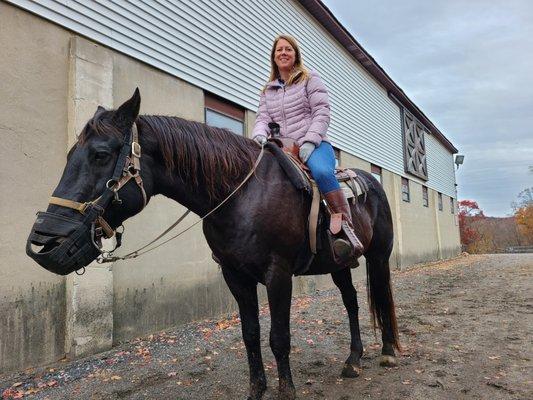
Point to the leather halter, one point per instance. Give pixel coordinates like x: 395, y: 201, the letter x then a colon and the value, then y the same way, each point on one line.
x: 130, y: 170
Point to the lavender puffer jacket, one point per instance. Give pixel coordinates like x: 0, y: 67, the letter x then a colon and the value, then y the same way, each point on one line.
x: 301, y: 110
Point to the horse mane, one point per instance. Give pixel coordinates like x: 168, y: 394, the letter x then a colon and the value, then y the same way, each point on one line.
x: 198, y: 153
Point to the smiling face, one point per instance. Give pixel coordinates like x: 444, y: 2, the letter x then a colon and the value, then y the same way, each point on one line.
x: 284, y: 55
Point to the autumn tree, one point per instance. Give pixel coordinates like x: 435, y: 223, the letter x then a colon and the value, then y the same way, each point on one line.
x: 524, y: 214
x: 469, y: 212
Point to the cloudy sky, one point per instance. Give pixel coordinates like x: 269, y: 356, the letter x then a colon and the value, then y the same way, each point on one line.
x: 468, y: 64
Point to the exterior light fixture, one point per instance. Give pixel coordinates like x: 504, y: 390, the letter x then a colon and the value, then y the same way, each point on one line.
x: 459, y: 159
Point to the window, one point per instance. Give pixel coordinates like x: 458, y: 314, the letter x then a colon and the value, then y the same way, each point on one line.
x: 452, y: 208
x: 440, y: 201
x: 425, y: 196
x: 337, y: 153
x: 223, y: 114
x: 376, y: 172
x: 405, y: 190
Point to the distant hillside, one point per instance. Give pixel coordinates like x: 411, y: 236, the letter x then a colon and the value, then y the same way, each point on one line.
x: 494, y: 234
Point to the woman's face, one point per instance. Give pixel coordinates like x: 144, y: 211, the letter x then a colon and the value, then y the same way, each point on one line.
x: 284, y: 55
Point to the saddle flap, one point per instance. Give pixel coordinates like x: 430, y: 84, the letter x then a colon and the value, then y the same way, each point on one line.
x: 335, y: 223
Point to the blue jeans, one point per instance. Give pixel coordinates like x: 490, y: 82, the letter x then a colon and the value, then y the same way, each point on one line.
x: 322, y: 166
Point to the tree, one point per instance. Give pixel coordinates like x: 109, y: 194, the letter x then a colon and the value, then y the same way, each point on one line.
x: 469, y: 212
x: 524, y: 214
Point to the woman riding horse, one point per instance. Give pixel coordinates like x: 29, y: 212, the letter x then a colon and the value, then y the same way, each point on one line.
x: 296, y: 99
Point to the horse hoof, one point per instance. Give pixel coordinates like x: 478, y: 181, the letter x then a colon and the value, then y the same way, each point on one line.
x: 350, y: 371
x: 257, y: 391
x: 287, y: 394
x: 387, y: 361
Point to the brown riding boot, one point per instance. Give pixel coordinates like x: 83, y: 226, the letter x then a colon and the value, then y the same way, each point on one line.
x: 350, y: 246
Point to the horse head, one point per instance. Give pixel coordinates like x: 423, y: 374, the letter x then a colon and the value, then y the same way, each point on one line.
x: 101, y: 186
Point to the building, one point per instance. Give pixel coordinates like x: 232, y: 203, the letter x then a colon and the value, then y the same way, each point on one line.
x: 202, y: 61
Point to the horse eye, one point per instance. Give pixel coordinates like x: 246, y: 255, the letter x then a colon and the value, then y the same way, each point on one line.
x: 101, y: 156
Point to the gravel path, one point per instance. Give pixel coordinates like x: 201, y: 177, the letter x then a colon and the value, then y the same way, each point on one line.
x: 466, y: 328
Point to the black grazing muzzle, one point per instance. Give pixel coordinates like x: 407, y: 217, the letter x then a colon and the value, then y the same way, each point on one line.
x: 68, y: 244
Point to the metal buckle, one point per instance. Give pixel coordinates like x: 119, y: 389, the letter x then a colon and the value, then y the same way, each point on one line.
x: 111, y: 183
x: 85, y: 207
x: 136, y: 149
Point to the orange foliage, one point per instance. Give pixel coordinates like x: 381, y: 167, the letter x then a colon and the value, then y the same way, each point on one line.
x: 524, y: 220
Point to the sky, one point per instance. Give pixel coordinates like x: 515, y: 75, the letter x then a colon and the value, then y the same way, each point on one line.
x: 468, y: 65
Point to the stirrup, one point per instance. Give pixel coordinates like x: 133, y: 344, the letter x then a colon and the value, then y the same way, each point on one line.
x: 343, y: 250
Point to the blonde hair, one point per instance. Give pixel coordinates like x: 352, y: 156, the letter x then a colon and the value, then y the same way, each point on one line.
x: 299, y: 72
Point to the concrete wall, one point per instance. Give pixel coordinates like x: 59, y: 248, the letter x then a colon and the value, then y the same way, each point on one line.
x: 33, y: 133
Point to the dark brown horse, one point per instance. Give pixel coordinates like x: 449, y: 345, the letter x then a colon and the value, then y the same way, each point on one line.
x: 256, y: 235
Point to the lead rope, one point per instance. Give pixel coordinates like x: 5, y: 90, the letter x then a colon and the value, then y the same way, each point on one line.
x: 108, y: 257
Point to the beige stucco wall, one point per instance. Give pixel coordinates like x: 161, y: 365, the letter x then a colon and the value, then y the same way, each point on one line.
x: 449, y: 228
x: 419, y: 230
x: 33, y: 133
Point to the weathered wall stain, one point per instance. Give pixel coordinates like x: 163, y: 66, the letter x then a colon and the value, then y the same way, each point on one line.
x: 32, y: 325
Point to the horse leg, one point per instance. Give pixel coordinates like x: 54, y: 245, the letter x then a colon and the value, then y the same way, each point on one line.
x: 382, y: 306
x: 279, y: 290
x: 343, y: 280
x: 245, y: 292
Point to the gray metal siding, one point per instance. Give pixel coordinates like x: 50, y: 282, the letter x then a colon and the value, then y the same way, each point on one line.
x: 223, y: 47
x: 441, y: 167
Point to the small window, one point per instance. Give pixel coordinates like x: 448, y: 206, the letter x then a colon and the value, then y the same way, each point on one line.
x: 425, y: 196
x: 452, y: 208
x: 337, y: 153
x: 376, y: 172
x: 223, y: 114
x: 405, y: 190
x: 440, y: 201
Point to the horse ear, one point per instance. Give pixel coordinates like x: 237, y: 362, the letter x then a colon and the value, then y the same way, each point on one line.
x: 99, y: 110
x: 127, y: 113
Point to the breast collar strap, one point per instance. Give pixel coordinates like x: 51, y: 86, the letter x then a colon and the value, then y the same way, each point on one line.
x: 130, y: 159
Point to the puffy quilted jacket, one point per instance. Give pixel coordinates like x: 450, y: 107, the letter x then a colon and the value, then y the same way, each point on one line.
x: 301, y: 110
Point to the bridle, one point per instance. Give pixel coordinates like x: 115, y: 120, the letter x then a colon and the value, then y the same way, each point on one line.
x: 76, y: 243
x: 130, y: 155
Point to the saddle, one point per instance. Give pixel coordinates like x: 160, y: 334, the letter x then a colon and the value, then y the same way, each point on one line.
x: 286, y: 151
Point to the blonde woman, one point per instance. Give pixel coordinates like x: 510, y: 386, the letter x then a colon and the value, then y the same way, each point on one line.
x: 297, y: 100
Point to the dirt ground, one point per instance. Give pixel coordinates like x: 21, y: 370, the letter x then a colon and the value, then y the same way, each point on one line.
x: 466, y: 328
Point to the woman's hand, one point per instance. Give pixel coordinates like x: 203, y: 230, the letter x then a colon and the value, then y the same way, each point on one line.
x: 305, y: 151
x: 261, y: 139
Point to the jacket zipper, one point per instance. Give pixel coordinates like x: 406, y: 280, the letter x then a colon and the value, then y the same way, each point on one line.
x: 283, y: 112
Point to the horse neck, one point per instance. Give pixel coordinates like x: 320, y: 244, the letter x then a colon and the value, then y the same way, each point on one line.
x: 192, y: 188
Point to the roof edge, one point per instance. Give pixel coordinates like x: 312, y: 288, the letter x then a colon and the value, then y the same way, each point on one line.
x: 326, y: 18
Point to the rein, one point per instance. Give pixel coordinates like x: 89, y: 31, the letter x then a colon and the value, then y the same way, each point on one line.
x: 108, y: 257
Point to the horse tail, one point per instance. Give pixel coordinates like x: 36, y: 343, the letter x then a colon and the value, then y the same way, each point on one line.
x: 380, y: 299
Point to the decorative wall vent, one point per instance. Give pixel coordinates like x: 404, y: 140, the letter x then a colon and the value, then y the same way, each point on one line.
x: 414, y: 146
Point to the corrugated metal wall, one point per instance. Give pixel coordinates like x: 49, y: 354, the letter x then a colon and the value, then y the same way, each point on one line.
x: 223, y: 47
